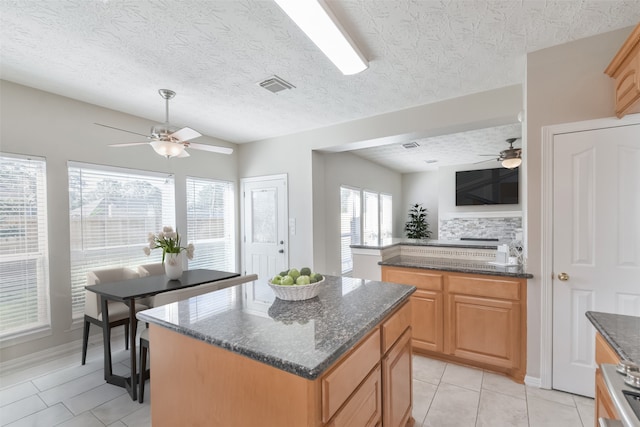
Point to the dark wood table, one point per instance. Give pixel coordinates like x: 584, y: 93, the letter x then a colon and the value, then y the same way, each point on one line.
x: 127, y: 291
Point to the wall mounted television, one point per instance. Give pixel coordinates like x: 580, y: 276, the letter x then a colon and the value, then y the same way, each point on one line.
x: 487, y: 187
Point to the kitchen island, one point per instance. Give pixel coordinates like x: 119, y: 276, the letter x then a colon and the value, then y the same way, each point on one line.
x: 240, y: 357
x: 617, y: 338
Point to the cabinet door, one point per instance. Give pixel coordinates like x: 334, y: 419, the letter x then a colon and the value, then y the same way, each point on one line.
x: 396, y: 383
x: 604, y: 404
x: 427, y: 320
x: 485, y: 330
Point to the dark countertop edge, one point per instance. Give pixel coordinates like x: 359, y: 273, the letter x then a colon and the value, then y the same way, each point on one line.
x: 616, y: 347
x: 426, y: 243
x: 293, y: 368
x: 458, y: 270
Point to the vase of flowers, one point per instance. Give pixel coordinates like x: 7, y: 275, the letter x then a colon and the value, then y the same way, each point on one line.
x: 169, y: 241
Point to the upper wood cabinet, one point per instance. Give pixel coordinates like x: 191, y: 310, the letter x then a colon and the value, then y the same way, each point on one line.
x: 625, y: 69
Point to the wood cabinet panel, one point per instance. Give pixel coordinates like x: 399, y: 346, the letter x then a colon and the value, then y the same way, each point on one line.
x: 344, y: 378
x: 364, y: 408
x: 397, y: 383
x: 427, y: 320
x: 485, y: 330
x: 603, y: 406
x: 490, y: 287
x: 625, y: 69
x: 604, y: 352
x: 394, y: 327
x: 419, y: 278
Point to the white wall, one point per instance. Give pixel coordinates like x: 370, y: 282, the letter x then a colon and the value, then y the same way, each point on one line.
x: 420, y: 187
x: 351, y: 170
x: 565, y: 84
x: 60, y: 129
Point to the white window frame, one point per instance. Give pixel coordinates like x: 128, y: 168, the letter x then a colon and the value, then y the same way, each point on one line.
x: 38, y: 280
x: 85, y: 255
x: 202, y: 246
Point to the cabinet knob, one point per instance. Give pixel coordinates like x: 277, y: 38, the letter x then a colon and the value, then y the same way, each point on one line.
x: 563, y: 276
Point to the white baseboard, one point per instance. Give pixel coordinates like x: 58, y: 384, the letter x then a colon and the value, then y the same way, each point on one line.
x: 532, y: 381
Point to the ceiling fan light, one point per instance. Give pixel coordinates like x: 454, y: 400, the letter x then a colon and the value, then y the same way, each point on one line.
x: 167, y: 148
x: 512, y: 162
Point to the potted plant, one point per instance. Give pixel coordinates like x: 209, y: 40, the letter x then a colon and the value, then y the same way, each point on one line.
x: 169, y: 241
x: 417, y: 227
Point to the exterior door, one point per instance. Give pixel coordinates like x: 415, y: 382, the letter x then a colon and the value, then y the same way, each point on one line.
x: 596, y: 243
x: 265, y: 234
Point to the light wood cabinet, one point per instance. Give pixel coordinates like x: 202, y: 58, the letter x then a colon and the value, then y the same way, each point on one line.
x: 625, y: 69
x: 478, y: 320
x: 396, y: 379
x: 427, y: 305
x: 603, y: 406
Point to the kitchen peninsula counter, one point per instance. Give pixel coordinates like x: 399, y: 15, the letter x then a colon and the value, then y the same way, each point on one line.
x: 240, y: 356
x: 457, y: 266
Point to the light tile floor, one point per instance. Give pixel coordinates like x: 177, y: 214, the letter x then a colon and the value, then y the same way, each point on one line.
x: 64, y: 393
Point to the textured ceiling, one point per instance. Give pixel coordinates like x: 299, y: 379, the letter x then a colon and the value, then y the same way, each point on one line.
x: 456, y: 149
x: 212, y: 53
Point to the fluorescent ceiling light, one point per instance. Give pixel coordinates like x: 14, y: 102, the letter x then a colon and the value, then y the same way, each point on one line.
x: 316, y: 20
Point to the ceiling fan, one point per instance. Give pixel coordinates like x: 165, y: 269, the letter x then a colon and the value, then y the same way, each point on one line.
x: 511, y: 158
x: 170, y: 141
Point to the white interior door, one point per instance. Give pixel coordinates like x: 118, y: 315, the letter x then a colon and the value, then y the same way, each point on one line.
x: 596, y: 243
x: 265, y: 233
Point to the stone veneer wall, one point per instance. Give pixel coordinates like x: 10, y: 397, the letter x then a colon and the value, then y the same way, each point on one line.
x: 503, y: 228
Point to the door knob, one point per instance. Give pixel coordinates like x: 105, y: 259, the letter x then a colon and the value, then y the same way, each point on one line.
x: 281, y: 251
x: 563, y: 276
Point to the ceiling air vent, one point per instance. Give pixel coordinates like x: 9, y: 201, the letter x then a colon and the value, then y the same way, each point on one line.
x: 409, y: 145
x: 275, y: 84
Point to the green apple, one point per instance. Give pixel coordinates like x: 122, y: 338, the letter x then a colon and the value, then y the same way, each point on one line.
x: 284, y: 273
x: 276, y: 279
x: 302, y: 280
x: 306, y: 271
x: 318, y: 277
x: 294, y: 273
x: 312, y: 278
x: 287, y: 281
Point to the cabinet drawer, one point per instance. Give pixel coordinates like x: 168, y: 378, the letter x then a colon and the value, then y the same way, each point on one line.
x: 421, y: 279
x: 342, y: 380
x: 485, y: 287
x: 393, y: 328
x: 364, y: 408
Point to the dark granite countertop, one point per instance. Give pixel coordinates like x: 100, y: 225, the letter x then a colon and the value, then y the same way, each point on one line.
x: 457, y: 265
x: 388, y: 243
x: 620, y: 331
x: 301, y: 337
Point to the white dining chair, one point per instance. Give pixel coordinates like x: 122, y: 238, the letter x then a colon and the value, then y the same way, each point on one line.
x: 118, y: 311
x: 179, y: 295
x: 151, y: 269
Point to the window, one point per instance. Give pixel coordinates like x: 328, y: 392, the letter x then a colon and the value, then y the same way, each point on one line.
x: 210, y: 223
x: 374, y: 215
x: 112, y: 211
x: 349, y: 225
x: 24, y: 269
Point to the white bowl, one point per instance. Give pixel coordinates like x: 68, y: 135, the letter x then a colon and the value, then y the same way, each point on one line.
x: 297, y: 292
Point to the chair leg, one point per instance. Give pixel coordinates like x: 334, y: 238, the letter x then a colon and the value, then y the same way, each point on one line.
x: 143, y: 368
x: 126, y: 336
x: 85, y: 341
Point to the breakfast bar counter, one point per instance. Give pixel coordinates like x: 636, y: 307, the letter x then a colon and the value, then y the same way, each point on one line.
x: 240, y: 356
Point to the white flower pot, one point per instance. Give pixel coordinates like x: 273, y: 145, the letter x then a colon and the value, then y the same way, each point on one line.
x: 173, y: 265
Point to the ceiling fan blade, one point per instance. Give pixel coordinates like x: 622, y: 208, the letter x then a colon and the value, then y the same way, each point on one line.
x: 185, y: 134
x: 128, y: 144
x: 122, y: 130
x: 492, y: 155
x: 184, y: 154
x: 485, y: 161
x: 211, y: 148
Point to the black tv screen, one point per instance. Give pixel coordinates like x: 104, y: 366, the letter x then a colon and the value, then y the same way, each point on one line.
x: 487, y: 187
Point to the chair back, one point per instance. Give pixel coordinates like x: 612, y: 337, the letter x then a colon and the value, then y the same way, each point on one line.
x: 182, y: 294
x: 91, y: 299
x: 151, y: 269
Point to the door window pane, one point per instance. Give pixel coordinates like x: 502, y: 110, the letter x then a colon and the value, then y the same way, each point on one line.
x: 264, y: 228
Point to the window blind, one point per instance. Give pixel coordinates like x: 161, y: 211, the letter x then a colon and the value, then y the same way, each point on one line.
x: 111, y: 213
x: 210, y: 223
x: 24, y: 269
x: 349, y: 225
x: 371, y: 219
x: 386, y: 216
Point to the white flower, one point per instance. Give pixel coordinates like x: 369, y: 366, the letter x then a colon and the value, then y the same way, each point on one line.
x: 169, y: 241
x: 147, y: 250
x: 151, y: 237
x: 167, y: 229
x: 152, y: 245
x: 161, y: 235
x: 170, y: 235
